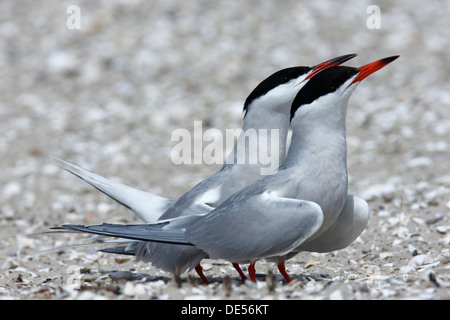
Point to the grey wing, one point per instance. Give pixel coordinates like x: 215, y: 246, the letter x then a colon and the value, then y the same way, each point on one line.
x: 260, y: 226
x: 148, y: 207
x: 145, y: 232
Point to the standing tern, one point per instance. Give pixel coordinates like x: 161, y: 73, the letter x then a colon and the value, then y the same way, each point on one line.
x: 344, y: 216
x: 273, y: 217
x: 267, y: 107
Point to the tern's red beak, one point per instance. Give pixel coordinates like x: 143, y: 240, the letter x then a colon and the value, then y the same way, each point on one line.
x: 330, y: 63
x: 370, y: 68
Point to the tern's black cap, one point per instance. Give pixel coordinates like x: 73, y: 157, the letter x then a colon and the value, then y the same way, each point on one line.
x: 327, y: 81
x: 280, y: 77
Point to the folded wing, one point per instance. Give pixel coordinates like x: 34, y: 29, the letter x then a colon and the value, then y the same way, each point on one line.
x: 255, y: 227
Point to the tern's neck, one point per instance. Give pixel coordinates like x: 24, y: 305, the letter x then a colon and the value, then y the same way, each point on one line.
x: 318, y: 138
x: 262, y: 142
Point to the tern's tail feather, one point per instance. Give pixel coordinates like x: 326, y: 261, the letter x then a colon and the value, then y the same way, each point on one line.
x: 144, y: 232
x: 146, y: 206
x: 120, y: 250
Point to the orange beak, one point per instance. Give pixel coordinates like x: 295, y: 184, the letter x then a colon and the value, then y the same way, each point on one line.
x: 370, y: 68
x: 330, y: 63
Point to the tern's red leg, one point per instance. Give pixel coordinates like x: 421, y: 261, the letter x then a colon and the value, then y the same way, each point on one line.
x: 282, y: 270
x: 199, y: 270
x: 239, y: 270
x: 252, y: 271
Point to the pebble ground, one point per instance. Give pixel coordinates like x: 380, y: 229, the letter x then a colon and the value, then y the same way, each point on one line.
x: 108, y: 95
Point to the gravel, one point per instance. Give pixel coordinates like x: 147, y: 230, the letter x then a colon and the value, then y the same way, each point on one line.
x: 108, y: 96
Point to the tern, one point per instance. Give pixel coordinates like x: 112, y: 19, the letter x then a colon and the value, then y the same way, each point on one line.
x: 267, y: 107
x: 273, y: 217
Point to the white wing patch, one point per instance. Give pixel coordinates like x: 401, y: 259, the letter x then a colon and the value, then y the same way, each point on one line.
x: 210, y: 198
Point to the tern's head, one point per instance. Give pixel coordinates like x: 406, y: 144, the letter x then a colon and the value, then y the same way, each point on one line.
x: 277, y: 92
x: 331, y: 88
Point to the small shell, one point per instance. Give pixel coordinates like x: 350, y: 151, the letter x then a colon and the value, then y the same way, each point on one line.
x: 311, y: 262
x: 443, y: 229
